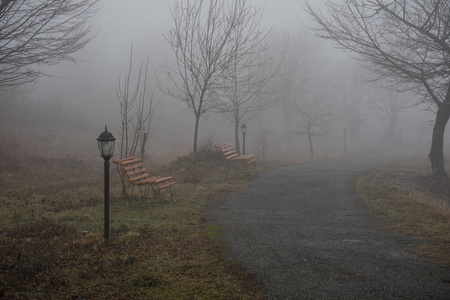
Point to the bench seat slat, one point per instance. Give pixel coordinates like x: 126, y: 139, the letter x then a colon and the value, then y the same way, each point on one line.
x: 248, y: 156
x: 231, y: 156
x: 133, y: 167
x: 150, y: 180
x: 251, y: 161
x: 221, y: 145
x: 236, y: 158
x: 137, y: 171
x: 132, y: 179
x: 131, y: 161
x: 229, y: 153
x: 118, y: 161
x: 161, y: 187
x: 163, y: 179
x: 154, y: 180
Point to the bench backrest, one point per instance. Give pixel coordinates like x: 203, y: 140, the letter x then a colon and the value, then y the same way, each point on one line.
x: 133, y: 168
x: 231, y: 155
x: 227, y: 150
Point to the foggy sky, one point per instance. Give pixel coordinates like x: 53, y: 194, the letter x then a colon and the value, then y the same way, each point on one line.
x: 90, y: 85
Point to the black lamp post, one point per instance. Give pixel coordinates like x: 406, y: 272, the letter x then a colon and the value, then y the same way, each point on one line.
x: 106, y: 143
x: 244, y: 131
x: 345, y: 140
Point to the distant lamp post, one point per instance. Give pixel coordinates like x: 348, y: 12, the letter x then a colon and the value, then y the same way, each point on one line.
x: 345, y: 140
x: 244, y: 131
x: 106, y: 143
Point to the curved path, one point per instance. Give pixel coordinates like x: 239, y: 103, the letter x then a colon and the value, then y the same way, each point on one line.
x: 303, y: 231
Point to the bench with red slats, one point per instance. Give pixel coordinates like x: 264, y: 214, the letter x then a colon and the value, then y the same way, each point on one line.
x: 132, y: 169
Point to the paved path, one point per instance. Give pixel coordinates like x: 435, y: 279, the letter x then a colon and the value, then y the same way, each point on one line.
x: 303, y: 231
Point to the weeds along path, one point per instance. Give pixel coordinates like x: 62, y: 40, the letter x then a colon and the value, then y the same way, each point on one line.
x: 305, y: 234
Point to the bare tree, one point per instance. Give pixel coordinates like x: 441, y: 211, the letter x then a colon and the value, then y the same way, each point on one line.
x: 150, y: 126
x: 246, y: 90
x: 203, y: 41
x: 139, y: 119
x: 312, y: 118
x: 263, y: 140
x: 353, y: 99
x: 406, y: 41
x: 387, y: 105
x: 34, y: 33
x: 301, y: 70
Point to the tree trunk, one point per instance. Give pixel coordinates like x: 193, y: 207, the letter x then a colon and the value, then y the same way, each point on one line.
x: 437, y: 144
x: 389, y: 134
x: 311, y: 149
x: 194, y: 149
x: 143, y: 144
x: 236, y: 138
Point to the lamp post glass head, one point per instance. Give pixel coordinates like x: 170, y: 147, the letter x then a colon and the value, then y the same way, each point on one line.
x: 244, y: 129
x: 106, y: 143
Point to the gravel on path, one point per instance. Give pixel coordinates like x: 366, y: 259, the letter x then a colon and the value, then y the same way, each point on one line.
x: 305, y: 234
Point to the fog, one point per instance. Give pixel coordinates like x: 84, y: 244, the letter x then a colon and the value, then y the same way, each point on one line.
x: 82, y: 96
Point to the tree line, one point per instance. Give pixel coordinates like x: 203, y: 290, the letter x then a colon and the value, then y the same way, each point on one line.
x: 224, y: 62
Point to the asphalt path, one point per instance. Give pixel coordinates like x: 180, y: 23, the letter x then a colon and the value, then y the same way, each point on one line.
x: 305, y: 234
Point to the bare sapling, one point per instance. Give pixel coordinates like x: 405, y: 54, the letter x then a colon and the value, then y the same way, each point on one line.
x: 139, y: 114
x: 263, y: 140
x: 312, y: 120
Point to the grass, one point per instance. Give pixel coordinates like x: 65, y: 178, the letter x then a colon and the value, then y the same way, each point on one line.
x: 51, y: 227
x: 407, y: 196
x: 52, y: 246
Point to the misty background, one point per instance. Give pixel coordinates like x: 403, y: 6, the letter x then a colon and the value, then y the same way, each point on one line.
x: 81, y: 98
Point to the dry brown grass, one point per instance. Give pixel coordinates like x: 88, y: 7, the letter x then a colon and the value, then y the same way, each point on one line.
x: 406, y: 195
x: 51, y: 233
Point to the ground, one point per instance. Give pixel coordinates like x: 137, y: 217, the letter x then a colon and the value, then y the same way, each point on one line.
x: 51, y: 225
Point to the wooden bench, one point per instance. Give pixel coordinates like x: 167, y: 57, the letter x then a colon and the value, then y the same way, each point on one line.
x: 132, y: 173
x: 233, y: 159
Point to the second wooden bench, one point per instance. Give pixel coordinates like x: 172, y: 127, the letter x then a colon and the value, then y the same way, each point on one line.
x: 234, y: 159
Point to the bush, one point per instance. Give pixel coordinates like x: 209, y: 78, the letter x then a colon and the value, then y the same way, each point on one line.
x: 208, y: 162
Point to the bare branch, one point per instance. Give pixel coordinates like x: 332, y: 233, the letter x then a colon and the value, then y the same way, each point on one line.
x: 136, y: 131
x: 405, y: 41
x: 207, y: 39
x: 34, y: 33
